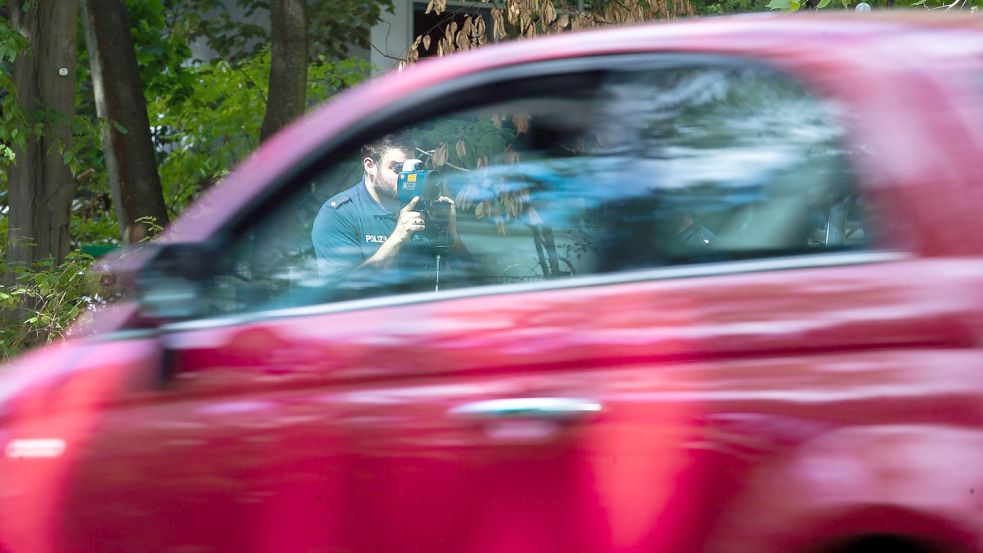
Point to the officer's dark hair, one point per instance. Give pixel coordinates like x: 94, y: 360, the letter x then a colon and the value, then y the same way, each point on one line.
x: 376, y: 149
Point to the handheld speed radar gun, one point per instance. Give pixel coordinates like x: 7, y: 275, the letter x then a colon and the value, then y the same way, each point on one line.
x: 428, y: 184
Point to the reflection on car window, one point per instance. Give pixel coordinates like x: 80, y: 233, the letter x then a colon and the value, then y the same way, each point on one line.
x: 627, y: 170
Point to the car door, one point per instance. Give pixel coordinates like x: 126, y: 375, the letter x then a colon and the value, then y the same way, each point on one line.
x: 673, y: 279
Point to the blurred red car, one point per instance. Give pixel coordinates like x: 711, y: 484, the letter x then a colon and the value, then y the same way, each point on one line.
x: 724, y: 293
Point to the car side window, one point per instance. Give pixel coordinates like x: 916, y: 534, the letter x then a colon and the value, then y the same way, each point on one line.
x: 600, y: 172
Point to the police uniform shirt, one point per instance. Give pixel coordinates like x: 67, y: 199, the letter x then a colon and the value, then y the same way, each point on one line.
x: 349, y: 228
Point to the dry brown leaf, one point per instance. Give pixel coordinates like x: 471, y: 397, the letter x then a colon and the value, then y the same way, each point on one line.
x: 461, y: 148
x: 496, y: 120
x: 440, y: 155
x: 440, y: 6
x: 513, y: 9
x: 430, y: 6
x: 549, y: 12
x: 563, y: 21
x: 521, y: 122
x: 426, y: 43
x: 511, y: 206
x: 482, y: 210
x: 462, y: 41
x: 498, y: 24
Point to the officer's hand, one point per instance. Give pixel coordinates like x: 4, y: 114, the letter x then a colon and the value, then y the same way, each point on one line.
x: 409, y: 222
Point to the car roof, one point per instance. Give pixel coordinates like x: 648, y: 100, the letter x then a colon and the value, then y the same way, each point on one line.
x: 871, y: 38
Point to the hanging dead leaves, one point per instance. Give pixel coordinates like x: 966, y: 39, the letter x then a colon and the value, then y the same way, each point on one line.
x: 530, y: 18
x: 440, y: 155
x: 470, y: 27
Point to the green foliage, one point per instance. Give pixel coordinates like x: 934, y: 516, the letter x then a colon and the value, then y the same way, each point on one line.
x: 211, y: 21
x: 218, y: 124
x: 332, y: 25
x: 45, y: 299
x: 204, y: 119
x: 724, y: 7
x: 327, y: 77
x: 161, y: 53
x: 13, y: 125
x: 94, y: 222
x: 154, y: 228
x: 161, y: 56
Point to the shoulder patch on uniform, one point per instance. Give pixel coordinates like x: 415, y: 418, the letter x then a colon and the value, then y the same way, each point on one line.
x: 339, y: 201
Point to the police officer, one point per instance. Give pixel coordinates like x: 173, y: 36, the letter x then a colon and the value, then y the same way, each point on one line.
x: 365, y: 226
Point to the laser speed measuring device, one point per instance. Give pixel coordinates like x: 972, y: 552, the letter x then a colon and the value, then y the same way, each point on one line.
x: 428, y: 184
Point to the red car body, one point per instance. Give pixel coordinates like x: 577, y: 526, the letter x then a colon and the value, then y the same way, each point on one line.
x: 753, y: 407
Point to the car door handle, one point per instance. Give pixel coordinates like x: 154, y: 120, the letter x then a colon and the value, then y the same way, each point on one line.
x: 550, y: 408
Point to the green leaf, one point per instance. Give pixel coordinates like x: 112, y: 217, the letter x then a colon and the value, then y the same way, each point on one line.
x: 823, y: 4
x: 846, y: 3
x: 120, y: 128
x: 778, y: 5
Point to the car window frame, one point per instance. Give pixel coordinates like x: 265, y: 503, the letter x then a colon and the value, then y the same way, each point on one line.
x: 471, y: 91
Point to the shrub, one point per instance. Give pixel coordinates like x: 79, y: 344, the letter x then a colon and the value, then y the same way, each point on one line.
x: 43, y: 301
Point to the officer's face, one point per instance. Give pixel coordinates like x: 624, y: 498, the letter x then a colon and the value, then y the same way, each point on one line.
x: 387, y: 171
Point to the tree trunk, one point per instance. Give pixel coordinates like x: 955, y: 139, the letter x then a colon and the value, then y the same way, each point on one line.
x: 40, y: 184
x: 288, y: 67
x: 120, y: 102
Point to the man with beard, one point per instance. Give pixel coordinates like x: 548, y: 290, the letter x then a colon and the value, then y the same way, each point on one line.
x: 365, y: 227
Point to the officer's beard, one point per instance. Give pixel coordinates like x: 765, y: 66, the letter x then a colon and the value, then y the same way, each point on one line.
x: 390, y: 191
x: 382, y: 188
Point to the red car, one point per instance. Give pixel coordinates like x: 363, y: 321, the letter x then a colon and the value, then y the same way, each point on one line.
x: 707, y: 286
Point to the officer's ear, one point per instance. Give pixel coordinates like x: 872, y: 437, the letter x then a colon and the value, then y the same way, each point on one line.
x: 369, y: 165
